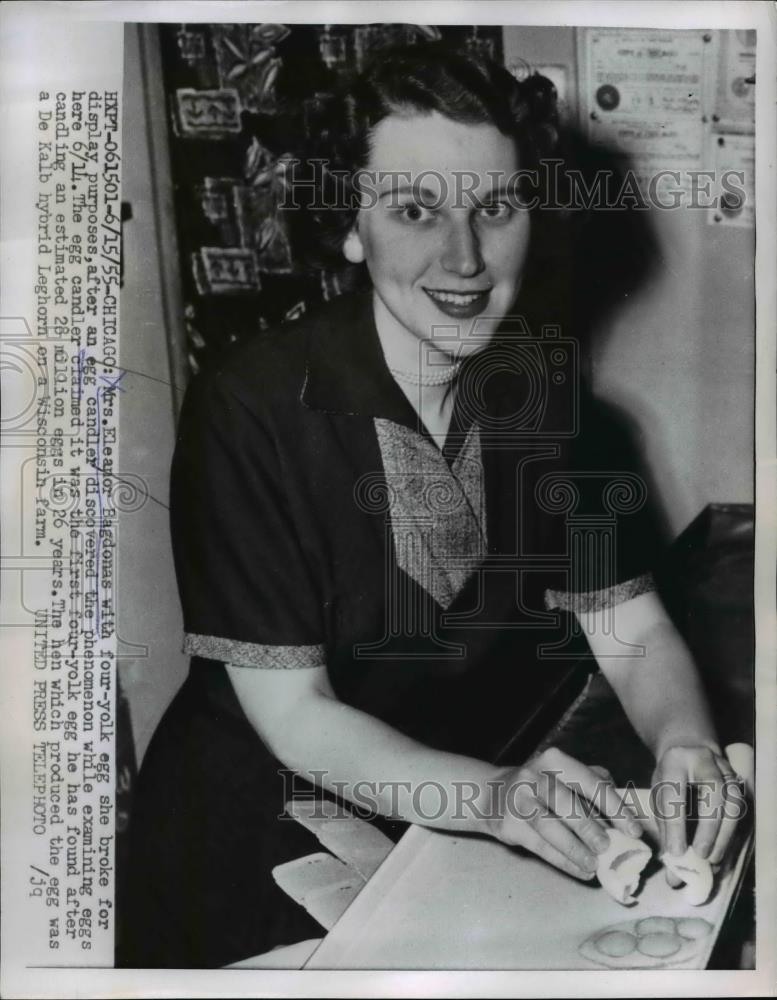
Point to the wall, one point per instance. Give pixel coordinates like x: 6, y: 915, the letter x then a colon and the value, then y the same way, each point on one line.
x: 678, y: 357
x: 151, y: 663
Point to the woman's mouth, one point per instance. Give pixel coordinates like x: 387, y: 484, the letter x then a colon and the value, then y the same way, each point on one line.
x: 464, y: 305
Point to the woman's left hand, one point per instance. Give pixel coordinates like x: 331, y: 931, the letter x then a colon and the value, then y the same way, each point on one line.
x: 717, y: 792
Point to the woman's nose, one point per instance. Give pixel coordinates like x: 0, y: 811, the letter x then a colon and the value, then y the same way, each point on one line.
x: 462, y: 251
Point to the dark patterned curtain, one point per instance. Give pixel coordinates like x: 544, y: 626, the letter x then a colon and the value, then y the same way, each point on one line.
x: 230, y: 89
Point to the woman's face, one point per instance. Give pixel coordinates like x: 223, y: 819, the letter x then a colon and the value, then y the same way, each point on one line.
x: 444, y: 244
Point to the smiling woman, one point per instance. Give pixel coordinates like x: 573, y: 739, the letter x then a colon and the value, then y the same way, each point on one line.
x: 438, y: 256
x: 430, y: 151
x: 371, y: 526
x: 446, y: 256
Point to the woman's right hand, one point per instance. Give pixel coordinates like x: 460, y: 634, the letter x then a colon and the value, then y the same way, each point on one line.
x: 558, y: 809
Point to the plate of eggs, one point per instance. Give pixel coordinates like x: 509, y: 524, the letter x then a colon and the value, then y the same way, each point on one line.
x: 649, y: 943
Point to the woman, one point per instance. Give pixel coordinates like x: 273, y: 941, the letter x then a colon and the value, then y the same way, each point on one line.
x: 368, y: 535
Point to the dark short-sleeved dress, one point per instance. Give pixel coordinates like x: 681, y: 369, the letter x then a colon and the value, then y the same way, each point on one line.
x: 315, y: 522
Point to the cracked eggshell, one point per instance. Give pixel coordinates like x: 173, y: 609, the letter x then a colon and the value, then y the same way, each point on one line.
x: 620, y: 866
x: 695, y: 872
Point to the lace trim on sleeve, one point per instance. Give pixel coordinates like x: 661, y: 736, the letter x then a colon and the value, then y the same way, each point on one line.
x: 586, y: 602
x: 253, y: 654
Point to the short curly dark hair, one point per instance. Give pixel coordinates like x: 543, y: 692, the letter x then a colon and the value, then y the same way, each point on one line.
x: 421, y: 79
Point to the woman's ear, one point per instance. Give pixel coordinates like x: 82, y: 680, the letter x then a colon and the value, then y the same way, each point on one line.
x: 353, y: 248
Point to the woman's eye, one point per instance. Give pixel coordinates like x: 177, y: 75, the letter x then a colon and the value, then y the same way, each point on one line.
x: 497, y: 211
x: 415, y: 213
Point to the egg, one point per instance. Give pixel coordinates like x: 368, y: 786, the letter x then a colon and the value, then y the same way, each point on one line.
x: 616, y: 944
x: 693, y: 928
x: 695, y: 872
x: 655, y: 925
x: 659, y: 945
x: 620, y: 866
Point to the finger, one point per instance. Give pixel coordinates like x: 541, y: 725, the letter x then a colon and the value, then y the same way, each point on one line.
x: 539, y: 846
x: 527, y: 817
x: 726, y: 831
x: 598, y: 790
x: 555, y: 833
x: 668, y: 800
x: 733, y: 810
x: 711, y: 802
x: 578, y: 814
x: 742, y: 758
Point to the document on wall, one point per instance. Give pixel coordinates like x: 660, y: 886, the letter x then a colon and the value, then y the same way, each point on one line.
x: 734, y: 102
x: 643, y: 94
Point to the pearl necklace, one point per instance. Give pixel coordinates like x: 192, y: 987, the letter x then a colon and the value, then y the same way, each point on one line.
x: 436, y: 378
